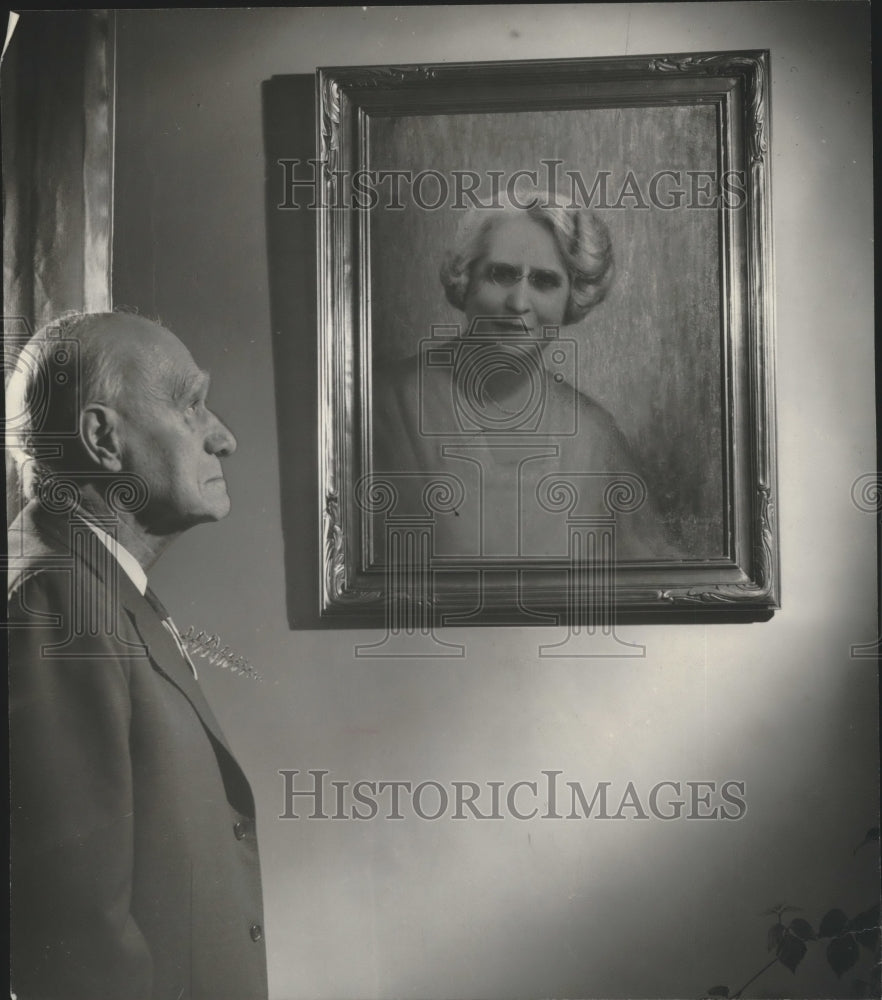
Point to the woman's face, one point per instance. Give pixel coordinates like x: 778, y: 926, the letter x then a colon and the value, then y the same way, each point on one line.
x: 520, y: 282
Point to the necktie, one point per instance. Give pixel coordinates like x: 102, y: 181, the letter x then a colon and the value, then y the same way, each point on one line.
x: 170, y: 627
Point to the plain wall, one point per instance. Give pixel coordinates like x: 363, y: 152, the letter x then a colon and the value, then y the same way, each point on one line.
x: 540, y: 908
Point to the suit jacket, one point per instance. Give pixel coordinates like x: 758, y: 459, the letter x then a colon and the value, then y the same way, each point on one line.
x: 135, y: 871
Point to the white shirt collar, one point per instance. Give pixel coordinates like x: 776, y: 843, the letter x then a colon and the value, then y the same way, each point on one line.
x: 132, y: 568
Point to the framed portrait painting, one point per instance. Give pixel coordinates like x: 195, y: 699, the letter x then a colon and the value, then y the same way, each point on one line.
x: 546, y: 361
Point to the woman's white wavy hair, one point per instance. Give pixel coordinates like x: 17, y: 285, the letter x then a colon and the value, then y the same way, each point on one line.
x: 581, y: 237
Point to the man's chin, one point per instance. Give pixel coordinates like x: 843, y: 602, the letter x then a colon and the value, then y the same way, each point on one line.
x: 211, y: 511
x: 219, y: 510
x: 217, y: 500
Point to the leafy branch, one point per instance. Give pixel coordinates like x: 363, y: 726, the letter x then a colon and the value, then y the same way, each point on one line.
x: 790, y: 941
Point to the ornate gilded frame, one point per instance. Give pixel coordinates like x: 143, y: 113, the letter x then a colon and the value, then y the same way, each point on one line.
x: 746, y: 582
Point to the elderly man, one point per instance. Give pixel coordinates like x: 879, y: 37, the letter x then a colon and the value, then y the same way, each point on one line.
x: 135, y: 869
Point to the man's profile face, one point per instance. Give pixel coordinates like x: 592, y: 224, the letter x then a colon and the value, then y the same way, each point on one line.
x: 171, y: 439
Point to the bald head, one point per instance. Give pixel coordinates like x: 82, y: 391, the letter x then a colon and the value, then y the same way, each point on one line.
x: 120, y: 353
x: 76, y: 359
x: 106, y: 393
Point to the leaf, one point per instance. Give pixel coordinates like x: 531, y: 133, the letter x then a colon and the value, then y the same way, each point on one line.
x: 803, y: 929
x: 832, y: 923
x: 842, y: 953
x: 870, y: 837
x: 718, y: 991
x: 866, y: 927
x: 775, y: 936
x: 792, y: 952
x: 869, y: 938
x: 865, y: 920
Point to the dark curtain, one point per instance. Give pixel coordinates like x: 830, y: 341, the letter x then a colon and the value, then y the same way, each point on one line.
x: 56, y: 101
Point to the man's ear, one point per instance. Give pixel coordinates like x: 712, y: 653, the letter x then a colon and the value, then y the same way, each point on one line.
x: 101, y: 435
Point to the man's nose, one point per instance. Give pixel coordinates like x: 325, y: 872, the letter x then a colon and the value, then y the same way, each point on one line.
x: 517, y: 299
x: 220, y: 440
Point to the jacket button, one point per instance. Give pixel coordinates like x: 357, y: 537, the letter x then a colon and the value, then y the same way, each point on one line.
x: 240, y: 829
x: 256, y: 932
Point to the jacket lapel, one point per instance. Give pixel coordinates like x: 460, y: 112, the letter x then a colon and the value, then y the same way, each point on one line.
x: 166, y: 657
x: 162, y: 650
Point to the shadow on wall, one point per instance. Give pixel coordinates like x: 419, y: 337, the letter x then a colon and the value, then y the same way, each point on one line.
x: 289, y: 133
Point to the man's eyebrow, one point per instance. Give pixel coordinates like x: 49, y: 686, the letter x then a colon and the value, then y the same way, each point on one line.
x: 189, y: 384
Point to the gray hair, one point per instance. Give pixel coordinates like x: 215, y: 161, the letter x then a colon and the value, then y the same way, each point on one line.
x: 63, y: 366
x: 582, y: 240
